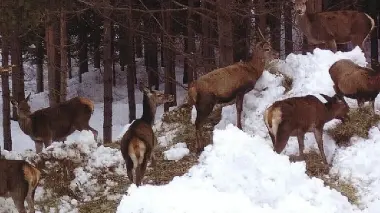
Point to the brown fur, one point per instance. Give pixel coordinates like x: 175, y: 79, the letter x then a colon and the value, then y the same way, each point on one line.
x: 19, y: 179
x: 138, y: 143
x: 354, y: 81
x: 55, y: 123
x: 333, y: 27
x: 298, y: 115
x: 225, y: 84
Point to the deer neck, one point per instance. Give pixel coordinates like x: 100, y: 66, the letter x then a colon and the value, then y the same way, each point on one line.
x: 374, y: 81
x: 149, y: 111
x: 257, y: 63
x: 25, y: 123
x: 304, y: 24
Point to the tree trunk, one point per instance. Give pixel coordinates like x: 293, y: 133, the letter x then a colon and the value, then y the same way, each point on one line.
x: 169, y: 56
x: 261, y: 20
x: 7, y: 134
x: 189, y: 46
x: 225, y: 33
x: 275, y: 25
x: 138, y: 46
x: 83, y: 48
x: 40, y: 65
x: 51, y: 41
x: 288, y: 29
x: 113, y: 54
x: 17, y: 71
x: 151, y: 54
x: 374, y: 37
x: 69, y: 68
x: 131, y: 65
x: 241, y: 27
x: 97, y: 35
x: 107, y: 80
x: 63, y: 53
x: 208, y: 54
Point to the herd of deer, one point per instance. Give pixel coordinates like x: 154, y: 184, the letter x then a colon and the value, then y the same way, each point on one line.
x: 290, y: 117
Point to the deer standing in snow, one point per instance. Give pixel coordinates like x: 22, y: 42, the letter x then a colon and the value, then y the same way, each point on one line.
x: 54, y: 123
x: 138, y: 143
x: 298, y: 115
x: 333, y: 27
x: 225, y: 84
x: 19, y: 179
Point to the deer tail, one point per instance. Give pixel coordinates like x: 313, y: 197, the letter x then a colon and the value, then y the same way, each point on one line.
x: 32, y: 175
x: 136, y: 151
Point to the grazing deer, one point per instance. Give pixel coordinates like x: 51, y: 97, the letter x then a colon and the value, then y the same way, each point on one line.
x: 54, y: 123
x: 225, y: 84
x: 19, y: 180
x: 333, y: 27
x: 298, y: 115
x: 138, y: 143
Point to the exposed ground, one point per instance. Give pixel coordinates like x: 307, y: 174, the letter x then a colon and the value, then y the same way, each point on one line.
x: 360, y: 121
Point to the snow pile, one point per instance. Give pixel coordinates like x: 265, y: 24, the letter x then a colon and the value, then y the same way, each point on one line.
x: 238, y: 174
x: 176, y: 152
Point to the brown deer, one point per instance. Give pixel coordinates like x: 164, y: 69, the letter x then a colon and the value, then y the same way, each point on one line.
x: 19, y: 179
x: 138, y: 143
x: 226, y: 84
x: 356, y: 82
x: 333, y: 27
x: 298, y: 115
x: 54, y: 123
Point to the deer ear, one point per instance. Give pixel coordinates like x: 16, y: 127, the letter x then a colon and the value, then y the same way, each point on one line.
x: 328, y: 98
x: 28, y: 97
x: 146, y: 90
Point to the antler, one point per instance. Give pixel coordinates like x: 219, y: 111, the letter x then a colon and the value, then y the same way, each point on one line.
x: 260, y: 33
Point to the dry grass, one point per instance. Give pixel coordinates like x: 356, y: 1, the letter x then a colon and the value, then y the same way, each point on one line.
x: 360, y: 121
x: 181, y: 117
x: 316, y: 168
x: 101, y: 205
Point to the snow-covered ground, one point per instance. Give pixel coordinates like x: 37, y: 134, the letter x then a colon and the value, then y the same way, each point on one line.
x: 239, y: 172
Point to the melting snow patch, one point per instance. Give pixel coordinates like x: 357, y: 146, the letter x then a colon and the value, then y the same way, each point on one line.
x: 176, y: 152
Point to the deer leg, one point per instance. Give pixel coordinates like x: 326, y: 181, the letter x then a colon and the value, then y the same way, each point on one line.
x: 18, y: 198
x: 30, y: 201
x: 282, y: 137
x: 360, y: 102
x: 332, y: 45
x: 318, y: 138
x: 203, y: 111
x: 39, y: 146
x: 94, y: 132
x: 239, y: 109
x: 372, y: 102
x: 140, y: 170
x: 129, y: 165
x: 301, y: 145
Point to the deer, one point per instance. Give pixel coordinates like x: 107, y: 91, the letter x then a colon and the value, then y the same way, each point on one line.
x: 333, y: 27
x: 139, y: 142
x: 19, y: 180
x: 356, y: 82
x: 296, y: 116
x: 56, y: 122
x: 224, y: 85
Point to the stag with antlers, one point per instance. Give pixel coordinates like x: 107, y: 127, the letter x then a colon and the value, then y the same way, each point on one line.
x: 225, y: 84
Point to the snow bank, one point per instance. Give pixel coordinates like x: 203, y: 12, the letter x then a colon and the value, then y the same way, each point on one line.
x: 241, y: 173
x: 238, y: 174
x: 176, y: 152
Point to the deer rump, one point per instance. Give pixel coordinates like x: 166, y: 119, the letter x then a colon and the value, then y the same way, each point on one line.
x: 339, y: 25
x: 137, y: 144
x: 62, y: 119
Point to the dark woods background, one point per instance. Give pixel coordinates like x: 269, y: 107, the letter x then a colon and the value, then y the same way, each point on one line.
x: 201, y: 35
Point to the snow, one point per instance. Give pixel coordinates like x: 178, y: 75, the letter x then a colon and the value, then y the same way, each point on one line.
x: 239, y: 172
x: 176, y: 152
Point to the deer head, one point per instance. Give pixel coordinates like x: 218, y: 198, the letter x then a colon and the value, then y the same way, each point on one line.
x: 337, y: 106
x: 263, y: 49
x: 300, y: 6
x: 22, y: 106
x: 156, y: 97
